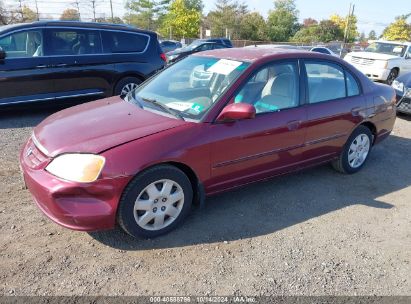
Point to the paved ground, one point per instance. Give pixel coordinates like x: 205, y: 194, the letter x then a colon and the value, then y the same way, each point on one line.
x: 316, y: 232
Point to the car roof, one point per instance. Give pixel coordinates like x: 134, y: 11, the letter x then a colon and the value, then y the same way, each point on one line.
x: 256, y: 54
x: 110, y: 26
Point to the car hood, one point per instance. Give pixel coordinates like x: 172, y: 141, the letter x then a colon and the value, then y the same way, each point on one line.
x: 178, y: 52
x: 97, y: 126
x: 371, y: 55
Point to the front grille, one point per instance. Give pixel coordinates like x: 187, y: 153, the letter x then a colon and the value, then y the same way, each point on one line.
x: 362, y: 61
x: 33, y: 156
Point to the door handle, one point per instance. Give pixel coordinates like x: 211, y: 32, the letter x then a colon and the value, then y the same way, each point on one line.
x: 61, y: 65
x: 293, y: 125
x: 42, y: 66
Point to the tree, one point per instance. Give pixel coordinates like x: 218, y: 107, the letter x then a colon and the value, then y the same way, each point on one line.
x: 342, y: 23
x: 372, y: 35
x: 253, y: 27
x: 309, y: 21
x: 70, y: 14
x: 28, y: 14
x: 194, y: 4
x: 226, y: 17
x: 282, y: 22
x: 398, y: 30
x: 146, y: 13
x: 181, y: 21
x: 308, y: 34
x: 325, y: 31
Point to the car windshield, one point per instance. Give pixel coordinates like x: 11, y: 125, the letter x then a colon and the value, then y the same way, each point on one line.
x: 387, y: 48
x: 189, y: 87
x: 193, y: 45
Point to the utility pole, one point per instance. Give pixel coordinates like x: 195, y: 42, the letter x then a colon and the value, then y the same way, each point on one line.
x: 111, y: 8
x: 77, y: 5
x: 347, y: 26
x: 93, y: 3
x: 37, y: 10
x: 21, y: 10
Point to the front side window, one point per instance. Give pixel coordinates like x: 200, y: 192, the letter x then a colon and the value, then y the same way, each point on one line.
x: 73, y: 42
x: 328, y: 81
x: 191, y: 86
x: 23, y: 44
x: 273, y: 88
x: 123, y: 42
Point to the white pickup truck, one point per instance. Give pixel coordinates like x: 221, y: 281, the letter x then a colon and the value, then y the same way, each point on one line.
x: 383, y: 60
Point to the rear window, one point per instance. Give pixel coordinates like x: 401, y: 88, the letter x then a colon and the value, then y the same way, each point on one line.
x: 122, y: 42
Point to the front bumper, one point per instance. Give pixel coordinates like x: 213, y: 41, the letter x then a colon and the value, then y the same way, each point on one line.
x: 77, y: 206
x: 373, y: 73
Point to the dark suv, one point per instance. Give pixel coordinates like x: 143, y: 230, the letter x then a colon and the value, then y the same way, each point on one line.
x: 46, y: 61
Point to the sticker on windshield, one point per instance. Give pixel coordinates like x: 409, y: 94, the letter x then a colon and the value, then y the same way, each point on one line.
x: 197, y: 108
x: 224, y: 66
x: 180, y: 106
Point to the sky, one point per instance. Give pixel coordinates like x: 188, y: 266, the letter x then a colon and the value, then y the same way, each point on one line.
x: 372, y: 14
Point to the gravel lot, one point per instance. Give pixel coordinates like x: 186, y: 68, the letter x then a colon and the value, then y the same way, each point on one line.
x: 312, y: 233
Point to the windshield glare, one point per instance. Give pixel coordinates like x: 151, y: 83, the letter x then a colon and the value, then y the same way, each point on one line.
x: 192, y: 85
x: 387, y: 48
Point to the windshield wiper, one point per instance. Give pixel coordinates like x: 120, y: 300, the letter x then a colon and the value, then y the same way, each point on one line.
x: 164, y: 107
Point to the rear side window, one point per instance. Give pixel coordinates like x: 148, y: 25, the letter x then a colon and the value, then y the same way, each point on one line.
x: 122, y: 42
x: 73, y: 42
x: 352, y: 85
x: 328, y: 81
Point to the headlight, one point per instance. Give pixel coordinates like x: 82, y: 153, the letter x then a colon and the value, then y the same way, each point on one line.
x: 382, y: 63
x: 399, y: 86
x: 83, y: 168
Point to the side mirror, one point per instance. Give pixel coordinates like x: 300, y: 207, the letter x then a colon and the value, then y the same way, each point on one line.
x: 2, y: 54
x: 236, y: 111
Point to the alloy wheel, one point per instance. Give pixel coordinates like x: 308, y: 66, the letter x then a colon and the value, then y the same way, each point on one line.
x: 359, y: 150
x: 128, y: 88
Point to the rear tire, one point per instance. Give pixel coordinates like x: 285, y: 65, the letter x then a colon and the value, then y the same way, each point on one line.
x: 155, y: 202
x: 355, y: 152
x: 126, y: 85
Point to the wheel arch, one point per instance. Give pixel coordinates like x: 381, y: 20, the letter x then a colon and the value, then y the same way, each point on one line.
x: 371, y: 126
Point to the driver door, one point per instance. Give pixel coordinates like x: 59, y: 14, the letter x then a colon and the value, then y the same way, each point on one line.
x: 271, y: 143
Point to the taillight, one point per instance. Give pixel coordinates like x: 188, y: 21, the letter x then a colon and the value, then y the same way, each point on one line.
x: 164, y: 57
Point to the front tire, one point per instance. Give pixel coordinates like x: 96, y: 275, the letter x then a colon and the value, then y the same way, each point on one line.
x: 155, y: 202
x: 392, y: 76
x: 355, y: 152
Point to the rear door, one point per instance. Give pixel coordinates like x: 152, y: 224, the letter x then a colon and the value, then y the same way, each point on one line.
x: 24, y: 73
x: 78, y: 65
x: 335, y: 105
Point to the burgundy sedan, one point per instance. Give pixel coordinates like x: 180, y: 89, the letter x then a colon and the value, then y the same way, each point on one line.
x: 209, y: 123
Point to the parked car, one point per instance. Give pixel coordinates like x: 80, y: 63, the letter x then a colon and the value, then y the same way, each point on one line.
x: 383, y: 60
x: 170, y: 45
x: 143, y: 160
x: 193, y: 48
x: 273, y: 46
x: 323, y: 50
x: 402, y: 86
x: 224, y: 41
x: 54, y: 60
